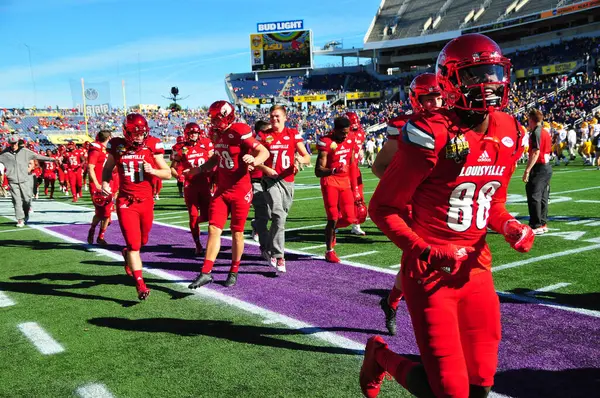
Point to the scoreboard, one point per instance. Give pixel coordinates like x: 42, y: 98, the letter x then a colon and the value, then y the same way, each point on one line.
x: 281, y: 50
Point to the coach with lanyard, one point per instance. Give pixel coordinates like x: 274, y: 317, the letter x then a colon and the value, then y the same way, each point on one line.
x: 284, y: 144
x: 16, y: 159
x: 538, y: 173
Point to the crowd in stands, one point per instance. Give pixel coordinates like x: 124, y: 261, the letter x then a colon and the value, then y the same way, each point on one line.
x: 565, y: 51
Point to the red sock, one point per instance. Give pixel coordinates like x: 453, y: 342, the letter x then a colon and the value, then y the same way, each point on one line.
x: 395, y: 297
x: 395, y: 364
x: 137, y: 275
x: 207, y: 266
x: 101, y: 233
x: 235, y: 266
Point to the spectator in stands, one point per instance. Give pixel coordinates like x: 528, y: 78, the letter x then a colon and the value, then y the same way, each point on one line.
x: 16, y: 159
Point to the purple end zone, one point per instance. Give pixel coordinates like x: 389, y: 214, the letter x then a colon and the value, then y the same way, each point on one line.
x: 552, y: 347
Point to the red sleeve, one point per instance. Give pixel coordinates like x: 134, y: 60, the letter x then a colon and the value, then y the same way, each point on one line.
x: 93, y: 157
x: 394, y: 128
x: 395, y: 191
x: 157, y: 147
x: 297, y: 136
x: 323, y: 144
x: 247, y: 141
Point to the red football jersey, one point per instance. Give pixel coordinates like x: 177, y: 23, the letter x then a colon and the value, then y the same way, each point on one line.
x: 73, y: 160
x: 49, y: 167
x: 282, y: 147
x: 395, y: 125
x: 359, y: 139
x: 338, y: 154
x: 133, y: 181
x: 230, y: 146
x: 452, y: 200
x: 196, y: 155
x: 97, y: 157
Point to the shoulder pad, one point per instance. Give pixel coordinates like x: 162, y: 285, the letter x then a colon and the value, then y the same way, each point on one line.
x: 415, y: 133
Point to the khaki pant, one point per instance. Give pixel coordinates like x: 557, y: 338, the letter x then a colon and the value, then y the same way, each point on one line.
x: 21, y: 198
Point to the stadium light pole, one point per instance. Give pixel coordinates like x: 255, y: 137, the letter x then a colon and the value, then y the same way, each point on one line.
x: 32, y: 78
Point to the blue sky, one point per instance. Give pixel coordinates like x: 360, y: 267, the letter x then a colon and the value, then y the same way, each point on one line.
x: 189, y: 44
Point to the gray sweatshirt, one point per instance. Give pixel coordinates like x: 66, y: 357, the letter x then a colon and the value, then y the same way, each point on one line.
x: 17, y: 163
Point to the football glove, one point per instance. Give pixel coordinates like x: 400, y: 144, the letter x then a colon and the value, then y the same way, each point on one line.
x: 340, y: 170
x: 447, y: 258
x: 519, y: 236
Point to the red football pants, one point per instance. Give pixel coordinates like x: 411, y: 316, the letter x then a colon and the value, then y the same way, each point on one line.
x: 135, y: 220
x: 197, y: 200
x: 338, y: 200
x: 76, y: 182
x: 237, y: 201
x: 457, y: 328
x: 156, y: 186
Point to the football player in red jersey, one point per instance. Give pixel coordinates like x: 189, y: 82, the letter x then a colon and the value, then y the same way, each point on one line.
x: 235, y: 152
x: 102, y: 203
x: 285, y: 145
x: 50, y: 174
x: 460, y: 161
x: 177, y: 172
x: 85, y: 150
x: 138, y: 158
x: 358, y: 135
x: 425, y: 96
x: 73, y: 160
x: 335, y: 168
x: 197, y: 189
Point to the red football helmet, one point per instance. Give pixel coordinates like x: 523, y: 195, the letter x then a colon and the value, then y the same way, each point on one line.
x: 361, y: 211
x: 222, y: 115
x: 473, y: 74
x: 424, y: 84
x: 135, y: 129
x: 180, y: 139
x: 192, y: 128
x: 354, y: 120
x: 100, y: 199
x: 71, y: 146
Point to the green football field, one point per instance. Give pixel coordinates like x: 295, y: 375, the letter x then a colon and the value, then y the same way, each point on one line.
x: 296, y: 335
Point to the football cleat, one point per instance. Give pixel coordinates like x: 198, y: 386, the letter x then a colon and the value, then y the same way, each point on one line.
x: 231, y: 279
x: 142, y: 291
x: 331, y: 257
x: 128, y: 270
x: 90, y: 237
x: 101, y: 241
x: 356, y: 230
x: 201, y: 280
x: 390, y: 316
x: 371, y: 373
x: 280, y: 265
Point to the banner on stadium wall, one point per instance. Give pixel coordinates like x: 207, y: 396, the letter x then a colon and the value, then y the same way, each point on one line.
x: 569, y: 9
x: 97, y: 96
x: 258, y: 101
x: 362, y: 95
x: 58, y: 139
x: 279, y: 26
x: 310, y: 98
x: 546, y: 70
x: 559, y: 68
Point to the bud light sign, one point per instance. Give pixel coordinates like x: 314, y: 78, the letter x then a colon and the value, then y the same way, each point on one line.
x: 279, y: 26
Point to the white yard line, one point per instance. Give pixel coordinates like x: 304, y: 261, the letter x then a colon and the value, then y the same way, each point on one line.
x: 545, y: 289
x: 574, y: 190
x: 578, y: 222
x: 533, y: 300
x: 5, y: 301
x: 171, y: 212
x: 321, y: 197
x: 545, y: 257
x: 587, y: 201
x: 305, y: 227
x: 359, y: 254
x: 169, y: 218
x: 93, y: 391
x: 13, y: 230
x: 313, y: 247
x: 40, y: 338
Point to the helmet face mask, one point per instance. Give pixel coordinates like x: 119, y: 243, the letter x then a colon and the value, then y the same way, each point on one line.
x: 473, y: 74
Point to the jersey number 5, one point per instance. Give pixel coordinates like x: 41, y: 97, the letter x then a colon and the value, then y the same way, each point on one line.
x: 460, y: 213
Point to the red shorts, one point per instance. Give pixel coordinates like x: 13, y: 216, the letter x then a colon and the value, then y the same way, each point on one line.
x: 237, y: 201
x: 198, y: 197
x: 50, y: 176
x: 338, y: 200
x: 135, y: 220
x: 100, y: 211
x: 75, y: 178
x: 457, y: 328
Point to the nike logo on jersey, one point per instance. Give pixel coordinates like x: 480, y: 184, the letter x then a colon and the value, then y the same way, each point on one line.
x: 484, y: 158
x: 480, y: 171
